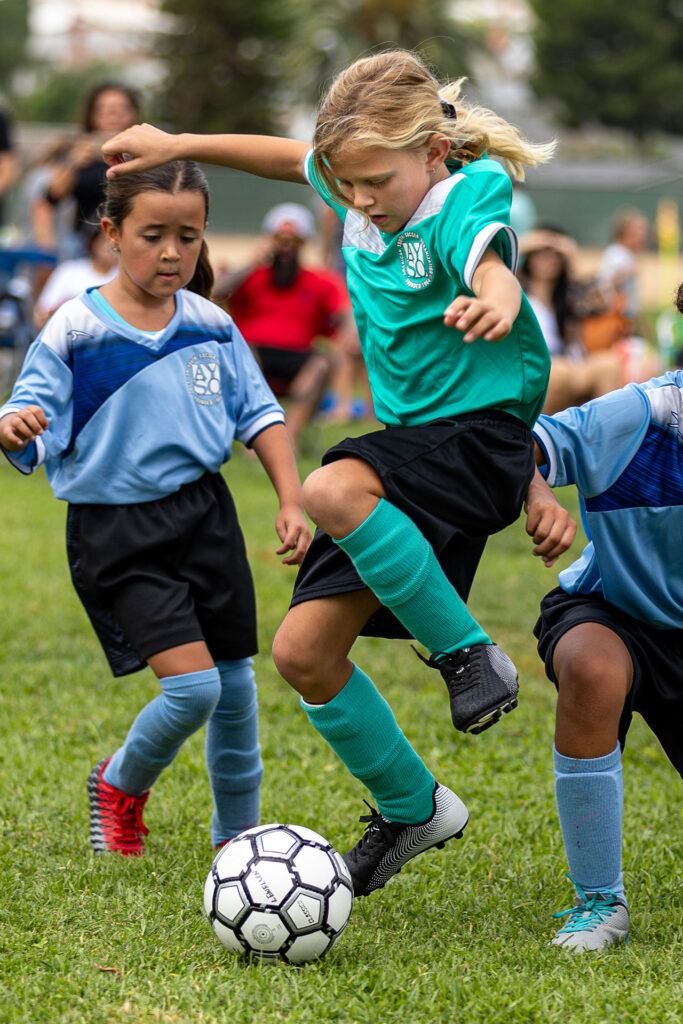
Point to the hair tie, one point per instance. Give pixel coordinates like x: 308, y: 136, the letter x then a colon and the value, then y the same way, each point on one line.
x: 447, y: 108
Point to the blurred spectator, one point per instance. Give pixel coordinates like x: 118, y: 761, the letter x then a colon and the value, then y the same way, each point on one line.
x: 109, y: 109
x: 618, y: 270
x: 40, y: 222
x: 547, y: 277
x: 72, y: 277
x: 283, y: 308
x: 8, y: 160
x: 558, y: 299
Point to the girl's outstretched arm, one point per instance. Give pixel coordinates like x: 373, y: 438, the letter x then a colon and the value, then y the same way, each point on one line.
x: 274, y: 449
x: 145, y: 146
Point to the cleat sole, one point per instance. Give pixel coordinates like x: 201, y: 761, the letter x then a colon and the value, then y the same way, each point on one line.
x: 489, y: 718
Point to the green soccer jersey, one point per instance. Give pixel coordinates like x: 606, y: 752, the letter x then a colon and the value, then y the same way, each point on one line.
x: 400, y: 285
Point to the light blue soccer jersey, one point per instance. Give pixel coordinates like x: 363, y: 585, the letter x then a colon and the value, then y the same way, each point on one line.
x: 624, y: 453
x: 132, y: 415
x: 400, y: 285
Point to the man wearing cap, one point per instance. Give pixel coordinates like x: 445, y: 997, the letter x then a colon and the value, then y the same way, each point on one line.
x: 282, y: 308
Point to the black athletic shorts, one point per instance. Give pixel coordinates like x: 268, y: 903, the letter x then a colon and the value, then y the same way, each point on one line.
x: 161, y: 573
x: 656, y: 654
x: 459, y: 479
x: 280, y: 366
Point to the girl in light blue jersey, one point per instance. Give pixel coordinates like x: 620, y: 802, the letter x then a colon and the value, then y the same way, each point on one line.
x: 458, y: 370
x: 132, y: 396
x: 611, y: 633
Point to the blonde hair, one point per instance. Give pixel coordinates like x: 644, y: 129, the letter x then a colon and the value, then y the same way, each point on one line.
x: 392, y: 100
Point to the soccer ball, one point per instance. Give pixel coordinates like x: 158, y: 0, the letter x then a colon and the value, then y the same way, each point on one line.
x: 278, y: 892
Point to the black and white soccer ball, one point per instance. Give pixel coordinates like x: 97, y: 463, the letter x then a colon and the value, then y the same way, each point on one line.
x: 278, y: 892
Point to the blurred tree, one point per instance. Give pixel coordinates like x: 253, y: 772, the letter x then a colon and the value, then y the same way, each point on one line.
x: 236, y: 66
x: 14, y: 21
x: 613, y: 62
x: 224, y: 64
x: 333, y: 34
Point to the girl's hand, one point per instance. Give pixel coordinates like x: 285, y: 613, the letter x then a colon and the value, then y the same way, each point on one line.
x: 292, y: 529
x: 477, y: 318
x: 137, y: 149
x: 548, y: 524
x: 17, y: 429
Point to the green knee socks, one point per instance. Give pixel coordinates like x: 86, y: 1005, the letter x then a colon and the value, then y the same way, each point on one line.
x: 398, y: 563
x: 360, y: 727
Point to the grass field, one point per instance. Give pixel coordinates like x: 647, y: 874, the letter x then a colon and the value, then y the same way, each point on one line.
x: 460, y: 936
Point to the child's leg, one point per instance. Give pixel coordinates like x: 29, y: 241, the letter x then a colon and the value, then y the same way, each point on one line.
x: 233, y: 755
x: 311, y: 651
x: 190, y: 689
x: 347, y: 500
x: 118, y: 786
x: 392, y: 556
x: 594, y: 673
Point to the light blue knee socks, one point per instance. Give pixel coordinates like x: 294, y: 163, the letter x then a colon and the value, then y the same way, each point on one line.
x: 360, y: 727
x: 590, y: 798
x: 233, y: 755
x: 398, y: 563
x: 161, y: 728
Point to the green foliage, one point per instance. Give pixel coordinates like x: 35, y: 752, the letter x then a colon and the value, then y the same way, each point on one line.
x: 332, y: 35
x: 242, y: 67
x: 13, y: 36
x: 459, y: 937
x: 59, y: 95
x: 224, y: 64
x: 615, y: 63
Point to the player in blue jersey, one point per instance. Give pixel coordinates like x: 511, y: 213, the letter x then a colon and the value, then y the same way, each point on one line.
x: 611, y: 634
x: 132, y: 396
x: 458, y: 370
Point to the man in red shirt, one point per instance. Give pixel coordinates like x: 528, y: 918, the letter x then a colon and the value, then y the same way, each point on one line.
x: 283, y: 308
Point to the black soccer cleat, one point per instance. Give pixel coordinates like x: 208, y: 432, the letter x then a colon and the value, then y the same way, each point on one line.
x: 481, y: 682
x: 387, y: 845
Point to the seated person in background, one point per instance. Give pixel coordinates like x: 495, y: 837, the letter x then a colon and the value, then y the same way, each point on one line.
x: 560, y: 302
x: 546, y: 274
x: 283, y: 308
x: 619, y: 264
x: 72, y: 277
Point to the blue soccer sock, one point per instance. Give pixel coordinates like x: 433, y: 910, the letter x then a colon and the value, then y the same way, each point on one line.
x: 360, y: 727
x: 233, y: 754
x: 590, y: 796
x: 161, y: 728
x: 398, y: 563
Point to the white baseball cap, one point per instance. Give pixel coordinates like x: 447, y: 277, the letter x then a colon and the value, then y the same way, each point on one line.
x: 289, y: 219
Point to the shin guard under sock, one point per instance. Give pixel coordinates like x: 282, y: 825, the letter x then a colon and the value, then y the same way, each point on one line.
x: 360, y: 727
x: 590, y: 795
x: 398, y: 563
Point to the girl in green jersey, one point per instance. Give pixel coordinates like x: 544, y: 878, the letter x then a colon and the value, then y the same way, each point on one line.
x: 458, y: 369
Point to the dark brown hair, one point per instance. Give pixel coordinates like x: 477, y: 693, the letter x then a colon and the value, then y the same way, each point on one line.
x: 173, y: 177
x: 95, y: 93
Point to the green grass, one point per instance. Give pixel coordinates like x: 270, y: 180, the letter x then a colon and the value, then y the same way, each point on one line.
x: 460, y: 936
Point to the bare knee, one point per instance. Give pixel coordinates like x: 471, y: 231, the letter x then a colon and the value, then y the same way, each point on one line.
x: 592, y: 686
x: 292, y: 659
x: 594, y: 673
x: 340, y: 496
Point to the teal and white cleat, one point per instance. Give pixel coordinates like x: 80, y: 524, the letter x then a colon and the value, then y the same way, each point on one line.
x: 597, y: 920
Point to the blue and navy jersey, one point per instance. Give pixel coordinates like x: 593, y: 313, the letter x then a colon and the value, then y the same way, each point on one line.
x: 134, y: 415
x: 624, y: 453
